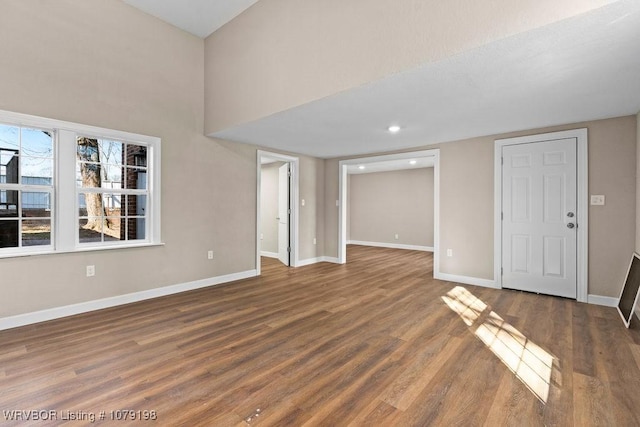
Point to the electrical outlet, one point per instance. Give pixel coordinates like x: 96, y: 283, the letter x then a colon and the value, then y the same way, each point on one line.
x: 302, y: 202
x: 396, y: 236
x: 314, y: 241
x: 261, y: 236
x: 597, y: 200
x: 210, y: 255
x: 91, y: 270
x: 449, y: 252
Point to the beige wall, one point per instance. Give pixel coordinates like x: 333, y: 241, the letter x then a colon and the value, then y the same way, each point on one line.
x: 383, y: 204
x: 638, y: 191
x: 612, y: 172
x: 312, y: 213
x: 466, y: 202
x: 331, y: 209
x: 269, y: 192
x: 282, y: 53
x: 106, y: 64
x: 638, y: 183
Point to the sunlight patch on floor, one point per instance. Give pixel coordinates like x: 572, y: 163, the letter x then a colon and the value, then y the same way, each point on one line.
x: 529, y: 362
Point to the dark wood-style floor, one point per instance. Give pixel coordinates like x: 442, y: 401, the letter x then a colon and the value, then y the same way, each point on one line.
x: 376, y: 342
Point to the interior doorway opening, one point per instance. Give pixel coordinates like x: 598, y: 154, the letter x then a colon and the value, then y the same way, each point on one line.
x: 401, y: 161
x: 276, y: 207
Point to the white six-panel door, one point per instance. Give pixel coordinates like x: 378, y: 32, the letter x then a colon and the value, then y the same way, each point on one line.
x: 539, y: 217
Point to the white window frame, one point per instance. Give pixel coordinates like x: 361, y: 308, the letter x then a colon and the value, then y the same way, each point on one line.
x: 64, y: 203
x: 31, y: 188
x: 121, y: 191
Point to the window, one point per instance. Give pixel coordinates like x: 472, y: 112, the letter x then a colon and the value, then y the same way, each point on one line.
x: 68, y: 187
x: 111, y: 179
x: 26, y: 187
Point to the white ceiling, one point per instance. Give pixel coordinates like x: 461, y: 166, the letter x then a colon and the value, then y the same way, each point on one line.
x: 583, y: 68
x: 198, y: 17
x: 391, y: 165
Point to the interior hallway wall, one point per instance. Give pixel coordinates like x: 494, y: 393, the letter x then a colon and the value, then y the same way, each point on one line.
x: 382, y: 205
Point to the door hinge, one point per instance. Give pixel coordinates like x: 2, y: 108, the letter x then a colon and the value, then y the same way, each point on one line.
x: 289, y: 249
x: 289, y: 211
x: 502, y: 160
x: 501, y: 271
x: 289, y: 174
x: 502, y: 216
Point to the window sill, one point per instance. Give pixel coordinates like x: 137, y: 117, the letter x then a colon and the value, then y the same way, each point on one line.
x: 80, y: 250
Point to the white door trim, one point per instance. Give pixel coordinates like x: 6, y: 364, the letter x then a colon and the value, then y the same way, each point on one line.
x: 294, y: 194
x: 342, y: 202
x: 583, y: 204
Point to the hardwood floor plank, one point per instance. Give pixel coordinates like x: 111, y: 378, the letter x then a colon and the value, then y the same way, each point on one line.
x: 617, y: 367
x: 591, y: 402
x: 371, y: 343
x: 513, y: 405
x: 422, y: 368
x: 378, y: 413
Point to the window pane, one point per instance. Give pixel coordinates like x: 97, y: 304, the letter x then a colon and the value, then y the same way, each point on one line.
x: 136, y: 155
x: 110, y: 152
x: 136, y: 205
x: 88, y: 175
x: 36, y: 204
x: 90, y: 204
x: 87, y: 149
x: 112, y: 229
x: 82, y: 205
x: 90, y: 230
x: 37, y: 143
x: 36, y: 170
x: 9, y: 161
x: 136, y: 178
x: 36, y: 232
x: 8, y: 234
x: 9, y: 137
x: 113, y: 204
x: 136, y: 229
x: 112, y: 177
x: 8, y: 203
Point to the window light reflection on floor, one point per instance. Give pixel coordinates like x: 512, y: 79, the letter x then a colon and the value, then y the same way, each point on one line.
x: 531, y: 364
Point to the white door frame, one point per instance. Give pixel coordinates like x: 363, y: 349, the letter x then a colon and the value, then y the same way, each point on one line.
x: 342, y: 202
x: 580, y: 135
x: 293, y: 194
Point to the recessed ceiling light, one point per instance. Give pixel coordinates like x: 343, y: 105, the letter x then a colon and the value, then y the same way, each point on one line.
x: 413, y: 162
x: 361, y: 167
x: 394, y: 128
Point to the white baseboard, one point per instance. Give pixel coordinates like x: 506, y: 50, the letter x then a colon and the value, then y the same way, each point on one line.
x: 485, y: 283
x: 84, y: 307
x: 391, y: 245
x: 269, y: 254
x: 600, y: 300
x: 333, y: 260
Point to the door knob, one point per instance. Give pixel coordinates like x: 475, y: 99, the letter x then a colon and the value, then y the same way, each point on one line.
x: 571, y: 225
x: 570, y: 214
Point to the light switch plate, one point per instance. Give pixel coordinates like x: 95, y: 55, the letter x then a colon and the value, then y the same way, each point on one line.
x: 597, y: 200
